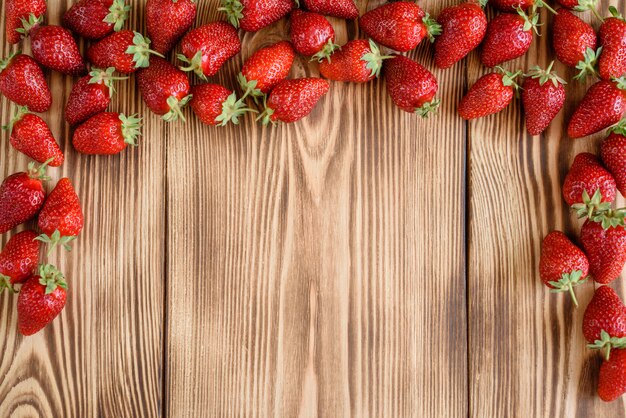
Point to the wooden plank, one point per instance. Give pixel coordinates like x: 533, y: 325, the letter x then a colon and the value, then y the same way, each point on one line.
x: 310, y: 270
x: 102, y: 356
x: 528, y: 356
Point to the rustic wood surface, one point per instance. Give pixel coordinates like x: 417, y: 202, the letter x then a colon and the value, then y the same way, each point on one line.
x: 362, y: 262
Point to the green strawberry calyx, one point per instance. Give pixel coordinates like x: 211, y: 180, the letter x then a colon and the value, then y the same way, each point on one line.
x: 118, y: 13
x: 567, y: 282
x: 326, y: 51
x: 374, y: 59
x: 55, y: 239
x: 584, y: 5
x: 546, y: 75
x: 616, y: 14
x: 249, y: 87
x: 588, y: 65
x: 105, y: 77
x: 39, y: 173
x: 433, y: 28
x: 606, y: 343
x: 233, y: 10
x: 195, y: 64
x: 531, y: 22
x: 5, y: 283
x: 51, y: 278
x: 5, y: 62
x: 232, y: 110
x: 591, y: 206
x: 29, y: 25
x: 176, y: 107
x: 541, y: 3
x: 266, y: 116
x: 619, y: 128
x: 508, y: 78
x: 19, y: 114
x: 482, y: 3
x: 620, y: 82
x: 428, y: 108
x: 140, y: 50
x: 131, y: 128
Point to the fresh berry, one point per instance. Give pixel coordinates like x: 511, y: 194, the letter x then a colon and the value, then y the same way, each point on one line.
x: 562, y: 265
x: 575, y: 42
x: 61, y: 218
x: 512, y: 5
x: 252, y: 15
x: 612, y: 37
x: 613, y: 153
x: 463, y: 28
x: 21, y: 197
x: 106, y: 133
x: 164, y: 88
x: 54, y: 47
x: 509, y: 36
x: 18, y: 259
x: 167, y: 21
x: 358, y: 61
x: 206, y: 48
x: 41, y: 299
x: 604, y: 241
x: 126, y: 51
x: 312, y: 35
x: 291, y: 100
x: 344, y: 9
x: 23, y: 82
x: 491, y: 94
x: 31, y: 135
x: 17, y: 11
x: 612, y: 379
x: 588, y: 175
x: 603, y: 105
x: 95, y: 19
x: 400, y: 26
x: 216, y: 105
x: 411, y: 86
x: 266, y: 68
x: 604, y: 321
x: 543, y: 96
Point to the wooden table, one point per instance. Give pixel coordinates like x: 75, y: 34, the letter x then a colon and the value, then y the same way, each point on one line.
x: 363, y: 262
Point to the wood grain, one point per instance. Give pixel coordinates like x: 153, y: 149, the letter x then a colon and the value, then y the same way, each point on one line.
x: 527, y: 353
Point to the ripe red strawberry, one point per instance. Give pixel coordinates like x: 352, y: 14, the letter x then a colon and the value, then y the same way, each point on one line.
x: 31, y: 135
x: 106, y: 133
x: 167, y: 21
x: 400, y: 26
x: 18, y: 10
x: 604, y: 321
x: 603, y: 105
x: 41, y: 299
x: 291, y: 100
x: 206, y: 48
x: 216, y: 105
x: 463, y: 28
x: 612, y: 36
x: 612, y: 380
x: 562, y: 265
x: 61, y: 218
x: 312, y: 35
x: 511, y: 5
x: 21, y: 197
x: 18, y: 259
x: 604, y: 240
x: 344, y: 9
x: 509, y: 36
x: 90, y: 95
x: 358, y: 61
x: 491, y: 94
x: 95, y: 19
x: 164, y: 88
x: 54, y: 47
x: 23, y: 82
x: 613, y: 153
x: 126, y: 51
x: 543, y: 96
x: 252, y: 15
x: 266, y: 68
x: 575, y: 42
x: 411, y: 86
x: 588, y: 175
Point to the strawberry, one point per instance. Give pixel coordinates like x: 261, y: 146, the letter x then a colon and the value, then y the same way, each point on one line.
x: 106, y: 133
x: 508, y: 37
x: 54, y: 47
x: 206, y: 48
x: 604, y: 240
x: 95, y: 19
x: 18, y: 259
x: 574, y: 42
x: 90, y: 95
x: 23, y: 82
x: 252, y: 15
x: 411, y: 86
x: 612, y: 379
x: 358, y: 61
x: 491, y: 94
x: 312, y: 35
x: 613, y: 153
x: 588, y: 175
x: 612, y: 36
x: 61, y: 218
x: 463, y: 28
x: 31, y: 135
x: 344, y: 9
x: 291, y: 100
x: 543, y: 96
x: 16, y: 11
x: 603, y: 105
x: 21, y: 197
x: 400, y: 26
x: 126, y: 51
x: 604, y: 321
x: 511, y: 5
x: 266, y: 68
x: 216, y: 105
x: 164, y: 88
x: 41, y: 300
x: 167, y: 21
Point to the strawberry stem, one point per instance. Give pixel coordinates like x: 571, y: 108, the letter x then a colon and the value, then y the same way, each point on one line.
x: 233, y: 10
x: 195, y: 64
x: 588, y: 65
x: 249, y: 88
x: 433, y: 28
x: 106, y: 78
x: 326, y: 51
x: 176, y: 106
x: 5, y: 283
x: 232, y: 110
x: 374, y: 59
x: 29, y: 25
x: 118, y: 13
x: 56, y: 239
x: 5, y: 62
x: 428, y: 108
x: 39, y: 172
x: 131, y: 128
x: 21, y: 112
x: 567, y: 283
x: 546, y: 75
x: 51, y: 277
x: 140, y: 50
